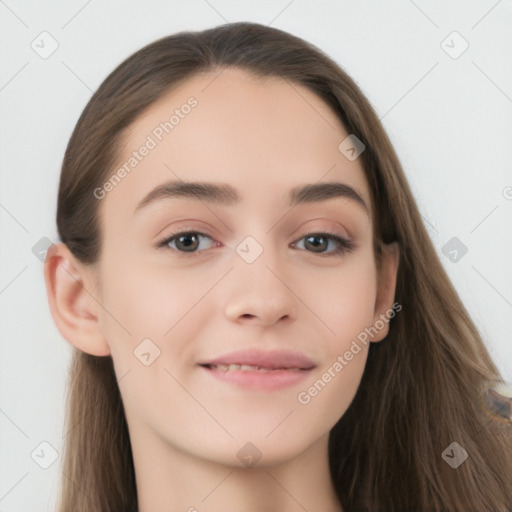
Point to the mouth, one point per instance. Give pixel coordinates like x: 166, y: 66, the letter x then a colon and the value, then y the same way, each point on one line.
x: 247, y: 368
x: 258, y: 370
x: 258, y: 359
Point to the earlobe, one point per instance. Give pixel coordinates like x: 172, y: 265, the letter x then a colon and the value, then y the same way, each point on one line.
x: 386, y: 291
x: 72, y: 299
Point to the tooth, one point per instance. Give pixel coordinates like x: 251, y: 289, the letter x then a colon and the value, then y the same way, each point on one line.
x: 247, y: 367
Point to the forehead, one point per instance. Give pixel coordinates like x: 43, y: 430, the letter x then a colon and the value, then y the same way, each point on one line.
x: 264, y: 136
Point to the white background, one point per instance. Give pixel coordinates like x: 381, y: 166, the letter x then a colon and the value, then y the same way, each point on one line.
x: 449, y: 119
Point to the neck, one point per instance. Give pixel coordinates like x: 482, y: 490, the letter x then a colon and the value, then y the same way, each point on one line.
x: 170, y: 479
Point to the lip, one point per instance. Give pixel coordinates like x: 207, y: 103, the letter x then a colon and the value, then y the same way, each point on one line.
x: 283, y: 368
x: 268, y: 359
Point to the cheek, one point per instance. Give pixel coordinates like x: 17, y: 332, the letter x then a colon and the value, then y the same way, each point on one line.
x: 324, y: 400
x: 347, y: 308
x: 344, y: 300
x: 142, y: 301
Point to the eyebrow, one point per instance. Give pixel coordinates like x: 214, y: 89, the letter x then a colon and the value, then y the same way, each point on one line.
x: 226, y: 195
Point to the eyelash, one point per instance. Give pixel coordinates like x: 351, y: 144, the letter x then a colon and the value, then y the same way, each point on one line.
x: 345, y: 245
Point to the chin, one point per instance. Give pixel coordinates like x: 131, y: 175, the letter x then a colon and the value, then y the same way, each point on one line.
x: 253, y: 452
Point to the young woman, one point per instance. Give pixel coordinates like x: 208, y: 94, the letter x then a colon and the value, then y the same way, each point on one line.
x: 260, y: 321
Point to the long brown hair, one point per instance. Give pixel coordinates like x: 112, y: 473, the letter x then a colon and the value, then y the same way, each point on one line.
x: 422, y: 387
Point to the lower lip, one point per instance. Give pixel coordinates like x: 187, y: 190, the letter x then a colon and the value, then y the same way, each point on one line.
x: 260, y: 381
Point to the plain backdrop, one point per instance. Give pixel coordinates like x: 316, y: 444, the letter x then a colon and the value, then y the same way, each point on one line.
x: 446, y: 110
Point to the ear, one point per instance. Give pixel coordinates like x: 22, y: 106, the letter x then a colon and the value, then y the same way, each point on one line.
x: 384, y: 310
x: 73, y: 301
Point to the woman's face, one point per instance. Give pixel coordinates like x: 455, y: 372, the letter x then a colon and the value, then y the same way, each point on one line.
x: 249, y: 277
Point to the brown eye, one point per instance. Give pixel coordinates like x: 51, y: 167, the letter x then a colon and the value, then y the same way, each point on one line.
x: 184, y: 241
x: 313, y: 242
x: 188, y: 242
x: 319, y: 242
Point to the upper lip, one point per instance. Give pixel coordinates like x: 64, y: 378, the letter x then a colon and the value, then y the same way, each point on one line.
x: 271, y: 359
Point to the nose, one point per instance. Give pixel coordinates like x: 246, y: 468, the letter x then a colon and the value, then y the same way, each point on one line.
x: 260, y: 293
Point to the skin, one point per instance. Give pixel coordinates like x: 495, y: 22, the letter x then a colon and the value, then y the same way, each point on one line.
x: 186, y: 428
